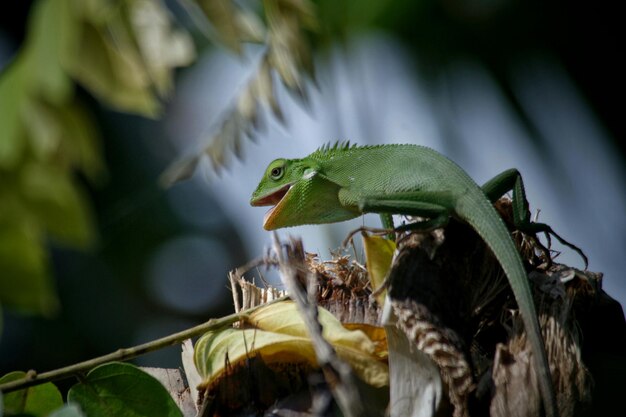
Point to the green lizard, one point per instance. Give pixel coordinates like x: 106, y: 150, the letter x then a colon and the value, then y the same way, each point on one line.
x: 340, y: 182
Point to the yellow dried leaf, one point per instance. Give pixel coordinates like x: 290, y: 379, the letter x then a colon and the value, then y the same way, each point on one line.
x: 279, y: 336
x: 376, y: 334
x: 379, y: 254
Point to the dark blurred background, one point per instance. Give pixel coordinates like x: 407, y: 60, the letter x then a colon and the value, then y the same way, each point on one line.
x: 493, y: 84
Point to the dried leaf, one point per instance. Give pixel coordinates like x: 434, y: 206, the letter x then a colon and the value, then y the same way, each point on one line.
x: 378, y: 254
x: 223, y: 16
x: 161, y: 46
x: 250, y: 27
x: 287, y: 53
x: 264, y: 88
x: 415, y: 386
x: 191, y: 374
x: 180, y: 170
x: 127, y: 53
x: 284, y: 63
x: 216, y: 151
x: 246, y: 105
x: 280, y: 336
x: 173, y: 381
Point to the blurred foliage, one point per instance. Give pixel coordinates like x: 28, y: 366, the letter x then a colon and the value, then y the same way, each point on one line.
x: 45, y: 137
x: 287, y: 53
x: 124, y: 53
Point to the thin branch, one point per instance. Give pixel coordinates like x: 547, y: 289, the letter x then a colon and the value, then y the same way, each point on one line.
x: 337, y: 372
x: 124, y: 354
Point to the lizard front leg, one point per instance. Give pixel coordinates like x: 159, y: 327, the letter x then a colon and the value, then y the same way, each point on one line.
x: 411, y: 204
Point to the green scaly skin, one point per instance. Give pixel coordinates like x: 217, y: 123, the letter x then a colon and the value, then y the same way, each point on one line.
x: 340, y: 182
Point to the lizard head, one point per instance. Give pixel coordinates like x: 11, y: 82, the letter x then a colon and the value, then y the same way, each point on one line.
x: 300, y: 193
x: 282, y: 180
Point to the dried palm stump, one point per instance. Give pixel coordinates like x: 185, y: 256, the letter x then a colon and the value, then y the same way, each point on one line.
x: 453, y: 303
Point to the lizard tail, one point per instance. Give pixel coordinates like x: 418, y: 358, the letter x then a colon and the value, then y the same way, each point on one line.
x: 478, y: 212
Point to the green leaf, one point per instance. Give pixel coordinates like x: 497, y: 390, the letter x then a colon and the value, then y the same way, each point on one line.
x: 57, y: 203
x: 122, y: 390
x: 69, y: 410
x: 113, y: 72
x: 65, y: 135
x: 12, y: 96
x: 36, y: 73
x: 52, y: 34
x: 42, y: 129
x: 82, y: 140
x: 38, y: 400
x: 24, y: 282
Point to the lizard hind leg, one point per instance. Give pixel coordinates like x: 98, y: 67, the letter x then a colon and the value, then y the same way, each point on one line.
x: 533, y: 228
x: 511, y: 180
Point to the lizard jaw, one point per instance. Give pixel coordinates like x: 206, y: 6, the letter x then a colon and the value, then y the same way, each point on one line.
x: 273, y: 199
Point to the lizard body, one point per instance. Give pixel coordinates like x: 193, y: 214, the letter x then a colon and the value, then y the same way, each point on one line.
x: 340, y: 182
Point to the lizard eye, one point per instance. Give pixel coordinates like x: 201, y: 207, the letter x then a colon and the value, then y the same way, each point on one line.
x: 276, y: 173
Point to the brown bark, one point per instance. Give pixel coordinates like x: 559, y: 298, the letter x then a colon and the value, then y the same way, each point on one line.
x: 460, y: 311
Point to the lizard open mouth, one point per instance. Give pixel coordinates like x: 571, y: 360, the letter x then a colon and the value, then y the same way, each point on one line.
x: 274, y: 199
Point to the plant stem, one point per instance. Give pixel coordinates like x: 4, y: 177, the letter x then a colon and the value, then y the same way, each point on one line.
x: 337, y: 372
x: 124, y: 354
